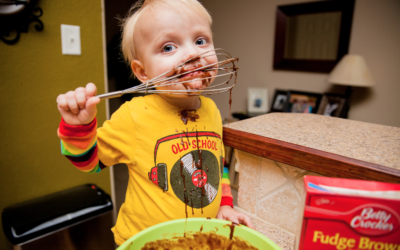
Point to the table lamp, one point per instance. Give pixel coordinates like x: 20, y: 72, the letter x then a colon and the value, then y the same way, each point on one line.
x: 351, y: 71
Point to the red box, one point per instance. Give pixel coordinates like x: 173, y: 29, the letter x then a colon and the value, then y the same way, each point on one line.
x: 343, y: 214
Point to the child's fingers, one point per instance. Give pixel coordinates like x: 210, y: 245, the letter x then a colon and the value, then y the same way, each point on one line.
x: 72, y: 103
x: 244, y: 219
x: 90, y: 90
x: 91, y: 105
x: 80, y: 95
x: 234, y: 219
x: 62, y: 102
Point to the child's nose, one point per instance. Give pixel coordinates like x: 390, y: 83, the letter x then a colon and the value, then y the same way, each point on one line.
x: 191, y: 53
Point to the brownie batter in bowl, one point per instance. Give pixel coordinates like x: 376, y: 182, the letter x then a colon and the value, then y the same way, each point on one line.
x: 200, y: 241
x: 198, y: 233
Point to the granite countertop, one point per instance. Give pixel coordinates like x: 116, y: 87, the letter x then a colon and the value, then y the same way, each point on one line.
x: 363, y: 141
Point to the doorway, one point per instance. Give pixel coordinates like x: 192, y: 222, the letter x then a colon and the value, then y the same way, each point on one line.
x: 119, y: 78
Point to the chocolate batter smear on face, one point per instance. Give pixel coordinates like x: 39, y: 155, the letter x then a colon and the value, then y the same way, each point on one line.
x: 188, y: 74
x: 206, y: 82
x: 183, y: 70
x: 188, y: 115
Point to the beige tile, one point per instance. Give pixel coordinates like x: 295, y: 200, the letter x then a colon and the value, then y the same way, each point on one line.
x: 249, y: 166
x: 281, y: 209
x: 283, y: 239
x: 290, y: 170
x: 299, y: 184
x: 271, y: 177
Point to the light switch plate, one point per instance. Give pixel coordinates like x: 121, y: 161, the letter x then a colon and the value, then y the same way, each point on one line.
x: 70, y: 39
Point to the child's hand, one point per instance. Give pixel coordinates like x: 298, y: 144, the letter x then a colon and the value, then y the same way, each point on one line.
x: 228, y: 213
x: 78, y: 107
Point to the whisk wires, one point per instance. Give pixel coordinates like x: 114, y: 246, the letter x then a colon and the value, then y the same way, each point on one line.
x: 225, y: 73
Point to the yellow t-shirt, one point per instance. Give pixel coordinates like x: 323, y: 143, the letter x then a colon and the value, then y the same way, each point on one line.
x: 175, y: 169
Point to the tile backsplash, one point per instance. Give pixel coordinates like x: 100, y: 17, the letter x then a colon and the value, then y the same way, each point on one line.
x: 271, y: 193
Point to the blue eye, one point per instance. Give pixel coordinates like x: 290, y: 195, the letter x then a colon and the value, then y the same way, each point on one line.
x: 169, y: 48
x: 201, y: 41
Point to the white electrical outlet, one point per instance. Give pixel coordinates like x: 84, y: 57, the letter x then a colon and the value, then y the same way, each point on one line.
x: 70, y: 39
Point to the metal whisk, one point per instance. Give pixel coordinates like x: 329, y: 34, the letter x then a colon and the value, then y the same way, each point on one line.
x: 228, y: 72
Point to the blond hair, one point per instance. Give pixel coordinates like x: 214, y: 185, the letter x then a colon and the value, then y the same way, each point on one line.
x: 129, y: 22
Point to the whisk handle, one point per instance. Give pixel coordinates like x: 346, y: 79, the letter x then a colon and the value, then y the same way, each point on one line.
x: 110, y: 95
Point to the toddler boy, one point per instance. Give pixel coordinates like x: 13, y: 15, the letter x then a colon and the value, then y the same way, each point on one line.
x: 172, y: 144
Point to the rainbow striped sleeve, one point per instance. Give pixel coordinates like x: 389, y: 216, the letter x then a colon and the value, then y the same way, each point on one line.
x: 227, y: 199
x: 79, y: 145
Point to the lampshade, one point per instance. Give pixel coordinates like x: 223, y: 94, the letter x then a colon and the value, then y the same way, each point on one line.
x: 352, y: 70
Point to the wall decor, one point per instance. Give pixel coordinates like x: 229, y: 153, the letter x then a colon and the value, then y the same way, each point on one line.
x: 312, y: 36
x: 302, y: 102
x: 279, y: 101
x: 257, y: 100
x: 334, y: 105
x: 15, y: 17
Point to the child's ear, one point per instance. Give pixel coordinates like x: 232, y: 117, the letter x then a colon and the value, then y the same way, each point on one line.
x: 138, y: 70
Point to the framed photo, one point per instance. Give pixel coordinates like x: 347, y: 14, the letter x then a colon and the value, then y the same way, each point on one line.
x: 279, y: 101
x: 333, y: 105
x: 302, y: 102
x: 312, y: 36
x: 257, y: 100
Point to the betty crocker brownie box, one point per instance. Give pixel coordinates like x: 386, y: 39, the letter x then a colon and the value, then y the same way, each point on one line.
x: 348, y: 214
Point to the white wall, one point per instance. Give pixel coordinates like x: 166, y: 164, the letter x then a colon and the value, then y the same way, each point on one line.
x: 246, y: 29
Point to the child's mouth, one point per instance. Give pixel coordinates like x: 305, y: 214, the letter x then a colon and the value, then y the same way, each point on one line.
x: 191, y: 75
x: 191, y: 78
x: 192, y: 71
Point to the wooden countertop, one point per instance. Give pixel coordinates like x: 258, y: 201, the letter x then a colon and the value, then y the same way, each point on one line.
x: 326, y: 145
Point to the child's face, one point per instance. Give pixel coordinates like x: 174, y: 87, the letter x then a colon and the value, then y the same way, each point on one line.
x: 165, y: 38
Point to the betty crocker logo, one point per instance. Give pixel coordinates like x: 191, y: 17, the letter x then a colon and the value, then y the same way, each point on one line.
x: 368, y: 219
x: 374, y: 220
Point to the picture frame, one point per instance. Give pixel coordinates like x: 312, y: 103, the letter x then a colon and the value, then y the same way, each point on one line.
x: 334, y: 105
x: 257, y: 100
x: 302, y: 102
x: 279, y: 102
x: 313, y: 36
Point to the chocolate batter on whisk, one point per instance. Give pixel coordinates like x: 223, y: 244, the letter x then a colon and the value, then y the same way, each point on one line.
x: 224, y: 69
